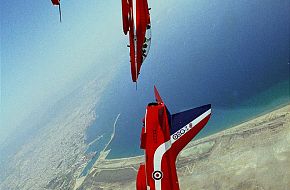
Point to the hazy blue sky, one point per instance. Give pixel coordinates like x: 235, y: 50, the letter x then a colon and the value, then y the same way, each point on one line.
x: 41, y: 57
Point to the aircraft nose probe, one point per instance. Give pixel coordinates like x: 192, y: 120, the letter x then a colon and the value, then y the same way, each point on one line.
x: 57, y: 3
x: 59, y: 10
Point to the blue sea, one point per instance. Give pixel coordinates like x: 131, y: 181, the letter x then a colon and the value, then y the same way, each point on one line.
x: 232, y: 54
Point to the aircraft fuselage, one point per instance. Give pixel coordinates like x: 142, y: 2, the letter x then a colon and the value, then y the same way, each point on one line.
x: 163, y: 136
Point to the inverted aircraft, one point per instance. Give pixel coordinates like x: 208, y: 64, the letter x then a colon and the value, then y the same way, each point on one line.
x: 139, y: 32
x: 163, y: 136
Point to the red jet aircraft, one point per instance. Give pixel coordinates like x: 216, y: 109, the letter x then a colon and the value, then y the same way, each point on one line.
x: 163, y: 136
x: 57, y: 3
x: 139, y: 32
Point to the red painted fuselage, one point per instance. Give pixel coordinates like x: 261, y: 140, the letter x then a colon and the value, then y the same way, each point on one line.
x: 163, y: 136
x: 139, y: 32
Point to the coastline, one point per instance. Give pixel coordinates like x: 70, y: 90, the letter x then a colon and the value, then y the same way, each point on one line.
x: 102, y: 155
x: 110, y: 172
x: 234, y: 127
x: 222, y: 118
x: 273, y: 109
x: 225, y: 131
x: 59, y: 147
x: 245, y: 122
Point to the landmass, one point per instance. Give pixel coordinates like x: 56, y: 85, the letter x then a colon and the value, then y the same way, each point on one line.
x: 252, y: 155
x: 55, y: 157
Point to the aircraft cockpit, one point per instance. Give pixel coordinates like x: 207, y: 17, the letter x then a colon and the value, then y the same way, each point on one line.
x: 147, y: 42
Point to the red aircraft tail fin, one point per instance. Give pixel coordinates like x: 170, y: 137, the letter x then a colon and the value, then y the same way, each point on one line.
x: 157, y: 96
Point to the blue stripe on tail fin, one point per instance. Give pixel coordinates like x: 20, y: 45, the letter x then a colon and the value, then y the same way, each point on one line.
x: 181, y: 119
